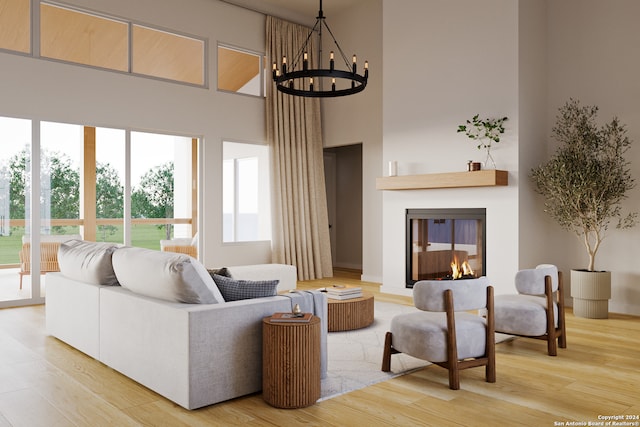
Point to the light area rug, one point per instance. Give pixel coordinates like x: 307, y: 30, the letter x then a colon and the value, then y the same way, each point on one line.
x: 355, y: 357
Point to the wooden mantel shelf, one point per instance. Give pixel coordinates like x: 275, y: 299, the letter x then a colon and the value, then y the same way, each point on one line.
x: 482, y: 178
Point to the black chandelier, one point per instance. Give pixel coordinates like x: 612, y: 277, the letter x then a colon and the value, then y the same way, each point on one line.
x: 310, y: 82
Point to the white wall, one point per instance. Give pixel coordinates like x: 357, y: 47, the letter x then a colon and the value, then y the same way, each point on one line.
x: 594, y: 56
x: 536, y: 247
x: 443, y: 63
x: 522, y: 59
x: 47, y: 90
x: 358, y: 119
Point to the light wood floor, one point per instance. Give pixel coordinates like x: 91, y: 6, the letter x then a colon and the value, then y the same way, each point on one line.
x: 44, y: 382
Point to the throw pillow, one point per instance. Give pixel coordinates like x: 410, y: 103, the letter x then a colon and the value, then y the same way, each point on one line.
x: 234, y: 290
x: 88, y: 262
x: 224, y: 271
x: 165, y: 275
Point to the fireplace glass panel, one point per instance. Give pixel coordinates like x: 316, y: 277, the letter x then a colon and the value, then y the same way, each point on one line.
x: 436, y: 238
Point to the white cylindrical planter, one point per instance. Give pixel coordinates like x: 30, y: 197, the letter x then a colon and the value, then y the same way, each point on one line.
x: 591, y: 291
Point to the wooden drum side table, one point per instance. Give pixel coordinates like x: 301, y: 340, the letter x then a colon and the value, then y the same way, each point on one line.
x: 291, y: 363
x: 345, y: 315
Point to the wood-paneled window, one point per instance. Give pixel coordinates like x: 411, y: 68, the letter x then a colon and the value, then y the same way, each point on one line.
x: 83, y: 38
x: 167, y: 55
x: 240, y: 71
x: 15, y: 25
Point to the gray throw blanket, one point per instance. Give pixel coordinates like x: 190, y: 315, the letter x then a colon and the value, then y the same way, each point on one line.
x: 314, y: 302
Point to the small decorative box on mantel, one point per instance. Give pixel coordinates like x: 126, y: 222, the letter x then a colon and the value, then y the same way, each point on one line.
x: 481, y: 178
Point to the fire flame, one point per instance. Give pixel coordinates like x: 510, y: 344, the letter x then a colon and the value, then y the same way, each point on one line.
x: 459, y: 271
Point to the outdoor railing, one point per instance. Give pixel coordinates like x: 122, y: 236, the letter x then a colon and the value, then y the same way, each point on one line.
x: 104, y: 221
x: 142, y: 236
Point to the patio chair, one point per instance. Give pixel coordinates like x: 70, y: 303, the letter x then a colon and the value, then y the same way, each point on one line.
x: 182, y: 245
x: 49, y: 245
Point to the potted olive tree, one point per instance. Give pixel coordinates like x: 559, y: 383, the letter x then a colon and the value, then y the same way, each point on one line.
x: 584, y: 184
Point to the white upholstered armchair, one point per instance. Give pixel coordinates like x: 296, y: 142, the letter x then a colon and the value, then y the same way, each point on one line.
x: 537, y: 311
x: 444, y: 332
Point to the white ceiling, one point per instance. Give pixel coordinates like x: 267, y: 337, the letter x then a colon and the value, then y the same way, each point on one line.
x: 300, y: 11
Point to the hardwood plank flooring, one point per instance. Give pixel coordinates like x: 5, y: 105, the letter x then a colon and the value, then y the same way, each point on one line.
x: 44, y: 382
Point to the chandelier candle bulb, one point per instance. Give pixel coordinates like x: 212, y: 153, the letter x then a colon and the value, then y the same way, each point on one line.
x: 333, y: 84
x: 331, y: 63
x: 305, y: 62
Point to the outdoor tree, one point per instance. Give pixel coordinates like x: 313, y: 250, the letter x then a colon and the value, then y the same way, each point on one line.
x: 18, y: 173
x: 109, y: 197
x: 61, y: 184
x: 62, y: 187
x: 153, y: 197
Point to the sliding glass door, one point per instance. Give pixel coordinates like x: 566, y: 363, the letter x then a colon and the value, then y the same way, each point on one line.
x: 15, y: 196
x: 110, y: 174
x: 162, y: 199
x: 96, y: 184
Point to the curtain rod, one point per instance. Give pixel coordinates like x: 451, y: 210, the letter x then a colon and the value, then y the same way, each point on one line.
x: 244, y: 7
x: 231, y: 3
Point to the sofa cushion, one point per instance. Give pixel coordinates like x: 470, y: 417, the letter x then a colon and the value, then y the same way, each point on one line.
x: 165, y: 275
x: 224, y: 271
x: 233, y: 290
x: 286, y: 274
x: 88, y: 262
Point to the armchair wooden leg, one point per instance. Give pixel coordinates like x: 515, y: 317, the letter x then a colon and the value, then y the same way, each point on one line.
x: 490, y: 369
x: 552, y: 348
x: 386, y: 356
x: 562, y: 339
x: 551, y: 329
x: 452, y: 345
x: 454, y: 376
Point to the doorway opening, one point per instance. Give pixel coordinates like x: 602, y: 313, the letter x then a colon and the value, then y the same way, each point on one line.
x: 343, y: 180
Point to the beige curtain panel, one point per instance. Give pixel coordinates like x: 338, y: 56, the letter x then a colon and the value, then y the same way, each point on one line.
x: 300, y: 234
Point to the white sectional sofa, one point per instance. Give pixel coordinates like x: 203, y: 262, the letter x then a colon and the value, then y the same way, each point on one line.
x: 193, y: 354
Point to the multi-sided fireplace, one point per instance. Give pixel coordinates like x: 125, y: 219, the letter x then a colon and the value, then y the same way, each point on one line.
x: 445, y: 244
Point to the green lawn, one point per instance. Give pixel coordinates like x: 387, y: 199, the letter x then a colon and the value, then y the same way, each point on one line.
x: 144, y: 236
x: 10, y: 245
